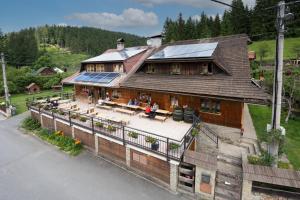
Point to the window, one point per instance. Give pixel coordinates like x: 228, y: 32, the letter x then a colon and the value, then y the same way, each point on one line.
x: 118, y: 68
x: 100, y: 68
x: 210, y: 68
x: 174, y: 101
x: 206, y: 68
x: 175, y: 69
x: 217, y: 107
x: 150, y: 69
x: 210, y: 106
x: 90, y: 68
x: 205, y: 178
x: 116, y: 94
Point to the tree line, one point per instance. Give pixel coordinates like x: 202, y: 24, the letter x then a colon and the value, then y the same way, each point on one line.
x: 23, y: 48
x: 257, y: 22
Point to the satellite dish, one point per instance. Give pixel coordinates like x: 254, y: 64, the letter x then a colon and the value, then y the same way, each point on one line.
x: 149, y: 42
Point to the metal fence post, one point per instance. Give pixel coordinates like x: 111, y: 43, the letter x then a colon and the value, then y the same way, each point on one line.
x: 52, y: 114
x: 168, y: 149
x: 123, y: 132
x: 184, y: 144
x: 93, y: 129
x: 70, y: 120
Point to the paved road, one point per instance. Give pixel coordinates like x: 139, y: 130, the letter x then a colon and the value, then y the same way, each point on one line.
x: 31, y: 170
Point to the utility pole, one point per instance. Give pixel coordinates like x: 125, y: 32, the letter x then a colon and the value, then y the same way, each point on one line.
x: 7, y: 102
x: 277, y: 84
x: 274, y: 127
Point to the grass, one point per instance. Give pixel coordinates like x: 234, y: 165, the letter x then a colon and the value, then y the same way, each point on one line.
x: 64, y: 58
x: 19, y: 100
x: 261, y: 115
x: 289, y: 43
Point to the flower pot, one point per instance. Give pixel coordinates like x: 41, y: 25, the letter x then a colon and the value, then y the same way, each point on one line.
x: 155, y: 146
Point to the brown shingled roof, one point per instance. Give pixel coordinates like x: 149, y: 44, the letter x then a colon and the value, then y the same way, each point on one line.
x: 276, y: 176
x: 231, y: 54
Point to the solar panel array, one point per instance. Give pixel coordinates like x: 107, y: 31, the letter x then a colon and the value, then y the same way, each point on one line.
x: 101, y: 77
x: 200, y: 50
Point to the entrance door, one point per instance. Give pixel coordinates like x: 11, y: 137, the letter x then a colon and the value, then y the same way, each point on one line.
x: 103, y: 93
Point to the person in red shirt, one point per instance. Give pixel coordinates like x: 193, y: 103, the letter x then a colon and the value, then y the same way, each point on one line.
x: 148, y: 110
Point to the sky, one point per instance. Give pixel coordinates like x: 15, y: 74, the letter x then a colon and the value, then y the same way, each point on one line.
x: 139, y: 17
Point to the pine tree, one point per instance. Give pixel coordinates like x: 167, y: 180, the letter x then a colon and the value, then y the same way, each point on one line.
x: 216, y: 28
x: 226, y: 26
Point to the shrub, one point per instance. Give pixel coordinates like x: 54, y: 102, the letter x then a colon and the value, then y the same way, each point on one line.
x: 133, y: 134
x: 111, y: 128
x: 173, y: 146
x: 283, y: 165
x: 99, y: 124
x: 64, y: 143
x: 264, y: 159
x: 150, y: 139
x: 31, y: 124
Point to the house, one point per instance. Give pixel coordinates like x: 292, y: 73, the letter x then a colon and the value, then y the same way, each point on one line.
x: 98, y: 74
x: 212, y: 76
x: 45, y: 71
x: 58, y: 70
x: 33, y: 88
x: 251, y: 55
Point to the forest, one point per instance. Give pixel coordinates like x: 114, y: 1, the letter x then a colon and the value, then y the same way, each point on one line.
x: 257, y: 22
x: 23, y: 48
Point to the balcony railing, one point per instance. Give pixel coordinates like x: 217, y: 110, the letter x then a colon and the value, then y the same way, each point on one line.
x: 164, y: 146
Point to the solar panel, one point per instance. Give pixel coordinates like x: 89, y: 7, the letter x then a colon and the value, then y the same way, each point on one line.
x: 186, y: 51
x: 101, y: 77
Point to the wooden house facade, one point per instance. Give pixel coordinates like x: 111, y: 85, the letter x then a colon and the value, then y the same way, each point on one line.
x: 212, y: 76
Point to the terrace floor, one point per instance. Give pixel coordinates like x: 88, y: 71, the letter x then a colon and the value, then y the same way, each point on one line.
x: 169, y: 128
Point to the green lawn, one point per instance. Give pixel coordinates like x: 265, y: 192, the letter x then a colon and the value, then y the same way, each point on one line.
x: 63, y: 58
x: 289, y: 43
x: 261, y: 115
x: 18, y: 100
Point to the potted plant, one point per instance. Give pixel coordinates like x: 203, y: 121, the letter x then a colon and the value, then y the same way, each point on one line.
x: 74, y: 116
x: 133, y: 134
x: 173, y: 146
x: 60, y: 112
x: 153, y: 141
x: 83, y: 119
x: 99, y: 124
x: 195, y: 132
x: 111, y: 128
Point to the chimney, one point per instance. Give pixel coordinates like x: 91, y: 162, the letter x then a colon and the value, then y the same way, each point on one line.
x: 120, y: 44
x: 154, y: 41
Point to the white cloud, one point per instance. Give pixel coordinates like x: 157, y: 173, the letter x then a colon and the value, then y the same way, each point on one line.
x: 194, y: 3
x: 62, y: 24
x: 130, y: 17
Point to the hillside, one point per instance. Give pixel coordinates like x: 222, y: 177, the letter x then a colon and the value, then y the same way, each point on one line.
x: 63, y: 58
x: 88, y: 40
x: 289, y: 44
